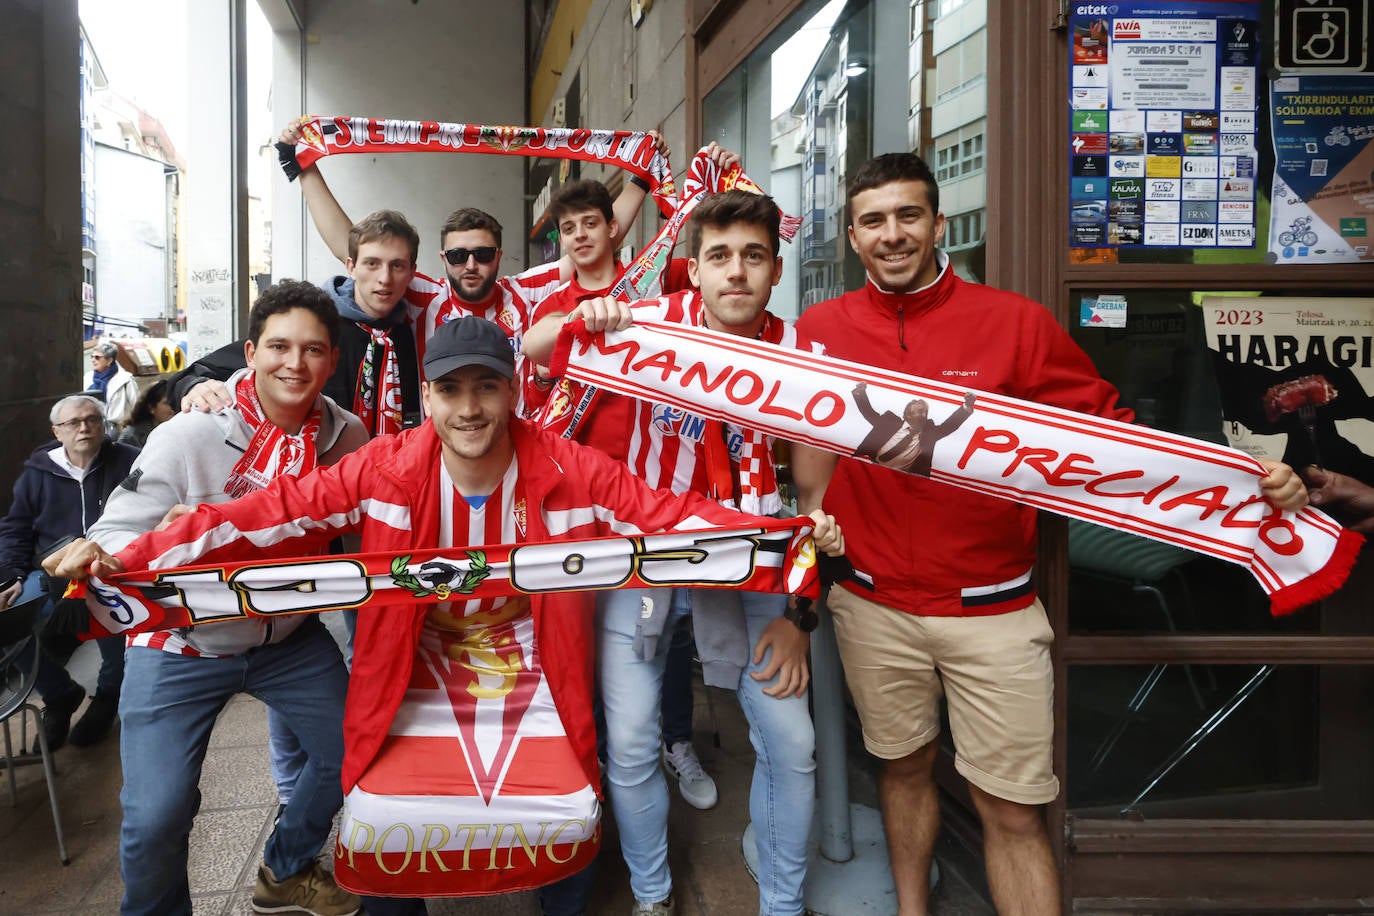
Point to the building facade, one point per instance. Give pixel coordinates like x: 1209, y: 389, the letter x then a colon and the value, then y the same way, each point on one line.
x: 1212, y: 757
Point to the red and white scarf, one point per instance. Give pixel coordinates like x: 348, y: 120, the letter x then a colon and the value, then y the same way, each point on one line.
x: 704, y: 178
x: 632, y: 150
x: 377, y: 398
x: 271, y: 451
x: 569, y: 402
x: 774, y: 556
x: 746, y: 481
x: 1181, y: 491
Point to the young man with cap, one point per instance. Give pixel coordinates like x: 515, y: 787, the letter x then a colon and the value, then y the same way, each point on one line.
x: 472, y: 474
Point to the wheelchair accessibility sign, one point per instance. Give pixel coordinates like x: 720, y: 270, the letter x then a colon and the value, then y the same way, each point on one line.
x: 1322, y: 36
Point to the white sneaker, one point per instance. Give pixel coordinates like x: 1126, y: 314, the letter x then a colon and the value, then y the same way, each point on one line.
x: 696, y: 786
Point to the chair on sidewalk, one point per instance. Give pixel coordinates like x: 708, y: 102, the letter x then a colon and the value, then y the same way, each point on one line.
x: 18, y: 630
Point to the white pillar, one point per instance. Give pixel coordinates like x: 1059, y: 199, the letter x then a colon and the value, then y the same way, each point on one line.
x: 216, y: 192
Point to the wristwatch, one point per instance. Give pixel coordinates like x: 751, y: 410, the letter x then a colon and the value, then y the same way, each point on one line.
x: 803, y: 615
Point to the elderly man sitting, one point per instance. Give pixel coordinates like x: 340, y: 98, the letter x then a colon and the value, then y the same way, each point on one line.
x: 60, y: 493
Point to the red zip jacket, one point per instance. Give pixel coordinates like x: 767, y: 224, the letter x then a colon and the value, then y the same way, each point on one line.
x: 387, y: 491
x: 924, y: 547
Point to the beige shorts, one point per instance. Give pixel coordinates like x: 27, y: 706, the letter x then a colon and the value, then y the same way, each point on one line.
x: 994, y: 672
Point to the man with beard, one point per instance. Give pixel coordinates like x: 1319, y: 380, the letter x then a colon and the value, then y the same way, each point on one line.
x: 470, y: 242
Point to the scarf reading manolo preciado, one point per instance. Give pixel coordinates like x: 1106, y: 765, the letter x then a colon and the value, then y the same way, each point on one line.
x: 778, y: 556
x: 1181, y: 491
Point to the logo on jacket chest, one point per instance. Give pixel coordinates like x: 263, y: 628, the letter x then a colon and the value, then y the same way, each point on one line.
x: 674, y: 421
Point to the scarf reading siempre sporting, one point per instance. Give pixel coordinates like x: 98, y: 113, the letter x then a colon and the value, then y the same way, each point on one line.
x: 632, y: 150
x: 271, y: 452
x: 1181, y: 491
x: 777, y: 557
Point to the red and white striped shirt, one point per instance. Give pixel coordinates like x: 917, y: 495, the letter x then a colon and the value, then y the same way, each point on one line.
x: 665, y: 442
x: 511, y: 304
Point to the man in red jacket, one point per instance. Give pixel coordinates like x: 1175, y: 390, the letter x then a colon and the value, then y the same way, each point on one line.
x: 942, y: 577
x: 468, y: 732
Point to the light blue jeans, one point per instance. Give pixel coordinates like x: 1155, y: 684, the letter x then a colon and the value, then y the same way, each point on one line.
x: 782, y: 794
x: 167, y: 709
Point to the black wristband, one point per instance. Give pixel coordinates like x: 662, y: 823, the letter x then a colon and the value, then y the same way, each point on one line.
x: 639, y: 182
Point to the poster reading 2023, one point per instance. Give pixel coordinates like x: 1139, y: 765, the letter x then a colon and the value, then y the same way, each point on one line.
x: 1162, y: 148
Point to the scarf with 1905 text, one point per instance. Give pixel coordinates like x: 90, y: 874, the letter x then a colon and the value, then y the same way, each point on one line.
x: 1180, y: 491
x: 773, y: 556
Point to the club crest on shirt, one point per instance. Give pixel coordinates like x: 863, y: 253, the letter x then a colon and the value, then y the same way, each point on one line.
x: 509, y: 319
x: 519, y: 513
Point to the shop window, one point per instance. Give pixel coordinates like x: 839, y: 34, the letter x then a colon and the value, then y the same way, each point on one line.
x: 1160, y: 361
x: 1220, y: 741
x: 963, y: 230
x: 810, y: 93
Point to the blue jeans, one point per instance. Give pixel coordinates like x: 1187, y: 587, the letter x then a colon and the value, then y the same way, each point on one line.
x: 168, y: 707
x: 53, y: 679
x: 782, y: 794
x: 285, y: 756
x: 676, y: 707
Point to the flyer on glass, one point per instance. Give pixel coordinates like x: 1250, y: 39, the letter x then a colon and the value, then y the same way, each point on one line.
x: 1163, y: 100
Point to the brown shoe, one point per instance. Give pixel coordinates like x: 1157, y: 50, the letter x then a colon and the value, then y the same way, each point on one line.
x: 311, y: 891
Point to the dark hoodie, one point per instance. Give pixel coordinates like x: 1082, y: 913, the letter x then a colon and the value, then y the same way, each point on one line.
x: 50, y: 505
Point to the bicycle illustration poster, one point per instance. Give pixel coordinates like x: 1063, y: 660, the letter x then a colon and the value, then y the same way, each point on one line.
x: 1323, y: 199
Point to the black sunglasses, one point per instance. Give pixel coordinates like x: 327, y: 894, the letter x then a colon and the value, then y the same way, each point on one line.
x: 484, y: 255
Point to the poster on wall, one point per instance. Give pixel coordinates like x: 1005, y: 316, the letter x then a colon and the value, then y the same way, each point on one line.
x: 1296, y: 377
x: 1163, y: 100
x: 1323, y: 198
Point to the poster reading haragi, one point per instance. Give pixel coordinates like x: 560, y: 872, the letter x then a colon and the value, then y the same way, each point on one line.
x: 1163, y: 100
x: 1296, y: 378
x: 1323, y: 199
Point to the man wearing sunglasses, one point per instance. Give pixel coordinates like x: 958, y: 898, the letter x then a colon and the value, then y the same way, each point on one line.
x: 470, y: 242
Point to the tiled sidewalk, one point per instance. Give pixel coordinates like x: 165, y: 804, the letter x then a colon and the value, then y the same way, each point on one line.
x: 239, y: 800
